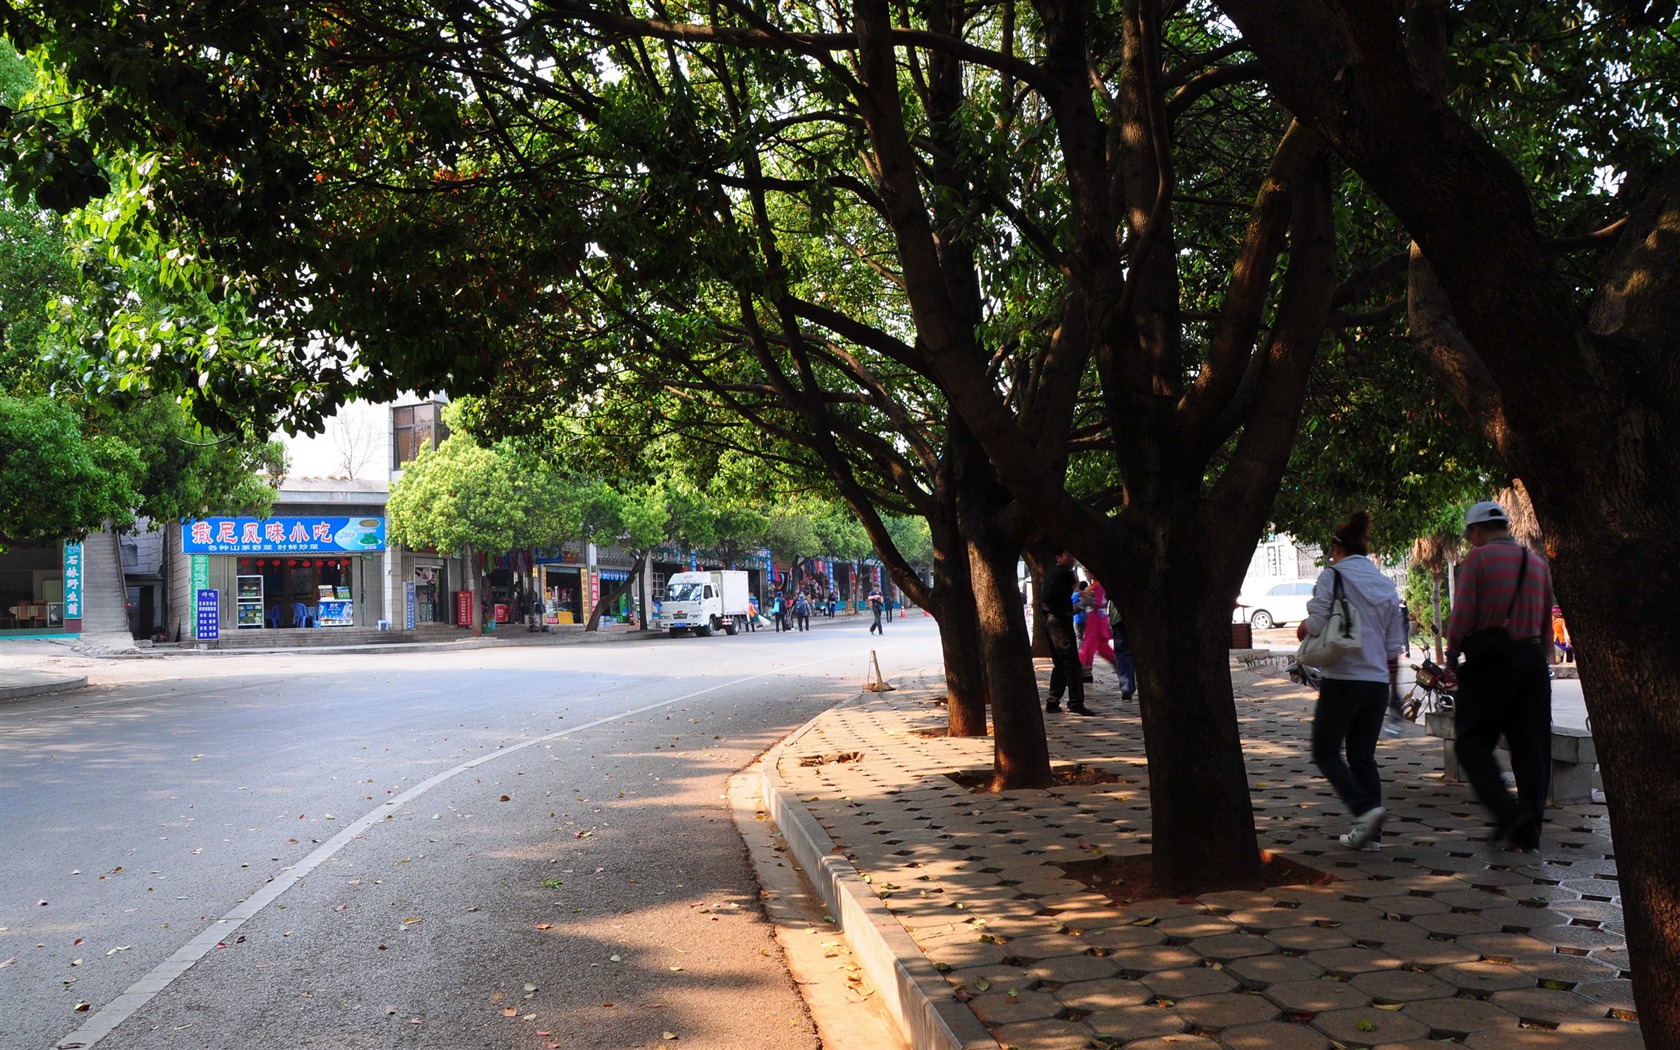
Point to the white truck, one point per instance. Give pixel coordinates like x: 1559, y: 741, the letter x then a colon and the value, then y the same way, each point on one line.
x: 706, y: 601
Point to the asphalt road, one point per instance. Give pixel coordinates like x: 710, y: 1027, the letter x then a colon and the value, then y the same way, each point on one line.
x: 516, y: 847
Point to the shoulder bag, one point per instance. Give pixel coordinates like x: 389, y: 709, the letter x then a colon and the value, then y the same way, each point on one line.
x: 1489, y: 642
x: 1341, y: 635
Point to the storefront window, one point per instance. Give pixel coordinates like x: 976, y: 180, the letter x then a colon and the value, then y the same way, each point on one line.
x: 295, y: 592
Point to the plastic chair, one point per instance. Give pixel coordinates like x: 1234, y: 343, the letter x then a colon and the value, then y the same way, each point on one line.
x: 300, y: 615
x: 273, y: 617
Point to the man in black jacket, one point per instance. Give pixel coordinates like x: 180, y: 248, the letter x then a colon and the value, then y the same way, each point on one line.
x: 1057, y: 604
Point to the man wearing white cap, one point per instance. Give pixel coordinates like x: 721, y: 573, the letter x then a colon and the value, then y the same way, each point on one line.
x: 1500, y: 616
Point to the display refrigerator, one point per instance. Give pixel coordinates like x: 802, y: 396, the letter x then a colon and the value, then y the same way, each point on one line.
x: 248, y: 601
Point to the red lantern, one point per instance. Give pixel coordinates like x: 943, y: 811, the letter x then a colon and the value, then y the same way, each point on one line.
x: 291, y: 561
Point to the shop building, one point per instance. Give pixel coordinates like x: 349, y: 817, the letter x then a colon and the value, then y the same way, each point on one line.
x: 41, y: 590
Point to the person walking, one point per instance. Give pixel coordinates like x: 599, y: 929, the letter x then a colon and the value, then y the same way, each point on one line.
x: 1124, y: 668
x: 802, y: 612
x: 1098, y: 640
x: 1079, y: 606
x: 876, y: 604
x: 778, y: 612
x: 1359, y: 688
x: 1057, y: 606
x: 1499, y: 624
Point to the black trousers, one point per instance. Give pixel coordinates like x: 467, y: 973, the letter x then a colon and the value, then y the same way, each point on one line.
x: 1510, y: 697
x: 1065, y: 670
x: 1350, y: 715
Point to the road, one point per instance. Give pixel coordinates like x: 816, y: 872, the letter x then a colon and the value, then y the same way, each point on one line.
x: 514, y: 847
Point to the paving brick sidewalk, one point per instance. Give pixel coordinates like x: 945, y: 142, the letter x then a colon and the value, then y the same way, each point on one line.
x: 1438, y: 936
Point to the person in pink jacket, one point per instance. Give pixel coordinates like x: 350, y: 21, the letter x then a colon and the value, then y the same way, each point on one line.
x: 1099, y: 639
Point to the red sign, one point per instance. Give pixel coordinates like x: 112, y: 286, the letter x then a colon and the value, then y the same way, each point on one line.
x: 501, y: 613
x: 594, y: 588
x: 463, y: 608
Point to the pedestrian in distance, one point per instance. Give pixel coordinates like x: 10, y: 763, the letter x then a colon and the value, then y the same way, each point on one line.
x: 1124, y: 669
x: 778, y: 612
x: 876, y: 604
x: 1057, y: 606
x: 1360, y: 687
x: 833, y: 603
x: 1098, y: 639
x: 1079, y: 610
x: 752, y: 615
x: 802, y: 612
x: 1499, y: 624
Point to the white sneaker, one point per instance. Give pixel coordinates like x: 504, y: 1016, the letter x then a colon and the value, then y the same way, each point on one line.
x: 1364, y: 828
x: 1371, y: 846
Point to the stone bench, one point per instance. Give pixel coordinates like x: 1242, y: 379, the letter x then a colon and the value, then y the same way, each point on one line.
x: 1573, y: 758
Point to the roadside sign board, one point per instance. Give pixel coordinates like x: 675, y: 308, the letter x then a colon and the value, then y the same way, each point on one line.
x: 209, y: 614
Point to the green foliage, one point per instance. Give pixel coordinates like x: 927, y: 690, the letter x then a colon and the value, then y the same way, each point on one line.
x: 55, y: 482
x: 911, y: 537
x: 462, y: 494
x: 1419, y: 597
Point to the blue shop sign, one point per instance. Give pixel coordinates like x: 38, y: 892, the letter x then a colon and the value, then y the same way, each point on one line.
x: 72, y: 581
x: 209, y: 615
x: 283, y: 535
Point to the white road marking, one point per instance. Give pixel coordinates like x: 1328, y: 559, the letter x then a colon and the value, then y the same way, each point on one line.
x: 136, y: 995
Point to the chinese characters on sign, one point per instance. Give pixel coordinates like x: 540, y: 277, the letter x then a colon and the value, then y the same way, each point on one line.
x: 72, y: 581
x: 209, y: 615
x: 283, y: 535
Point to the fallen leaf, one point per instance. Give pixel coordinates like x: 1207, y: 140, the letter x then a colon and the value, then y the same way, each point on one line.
x: 507, y: 798
x: 544, y: 926
x: 670, y: 1035
x: 82, y: 1006
x: 510, y: 1012
x: 410, y: 921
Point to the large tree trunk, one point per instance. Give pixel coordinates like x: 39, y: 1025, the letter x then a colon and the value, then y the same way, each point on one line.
x: 953, y: 604
x: 1622, y: 617
x: 1020, y: 755
x: 994, y: 527
x: 1178, y: 620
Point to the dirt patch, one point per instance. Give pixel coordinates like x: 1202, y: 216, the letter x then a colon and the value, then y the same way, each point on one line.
x: 938, y: 733
x: 980, y: 780
x: 830, y: 759
x: 1131, y: 878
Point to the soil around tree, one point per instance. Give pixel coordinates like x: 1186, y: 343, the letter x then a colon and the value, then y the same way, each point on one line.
x: 1130, y: 878
x: 980, y: 781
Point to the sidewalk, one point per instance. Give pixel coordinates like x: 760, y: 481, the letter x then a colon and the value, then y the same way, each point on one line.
x: 16, y: 683
x: 975, y: 935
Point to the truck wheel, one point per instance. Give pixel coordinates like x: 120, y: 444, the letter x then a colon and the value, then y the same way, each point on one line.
x: 703, y: 632
x: 716, y: 626
x: 730, y: 628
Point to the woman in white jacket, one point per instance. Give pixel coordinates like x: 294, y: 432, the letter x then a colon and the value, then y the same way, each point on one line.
x: 1357, y: 688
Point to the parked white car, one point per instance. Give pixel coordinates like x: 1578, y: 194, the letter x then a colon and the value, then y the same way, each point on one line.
x: 1274, y: 604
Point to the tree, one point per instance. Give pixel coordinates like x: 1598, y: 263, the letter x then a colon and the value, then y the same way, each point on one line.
x: 1542, y: 291
x: 54, y: 481
x: 466, y: 497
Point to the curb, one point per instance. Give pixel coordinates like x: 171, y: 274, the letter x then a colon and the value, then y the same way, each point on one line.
x: 925, y: 1008
x: 60, y: 685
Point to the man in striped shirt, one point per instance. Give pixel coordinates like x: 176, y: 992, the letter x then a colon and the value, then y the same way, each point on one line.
x: 1508, y: 690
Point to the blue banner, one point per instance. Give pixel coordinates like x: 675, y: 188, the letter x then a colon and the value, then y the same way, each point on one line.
x: 283, y: 535
x: 72, y: 581
x: 408, y: 606
x: 209, y: 615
